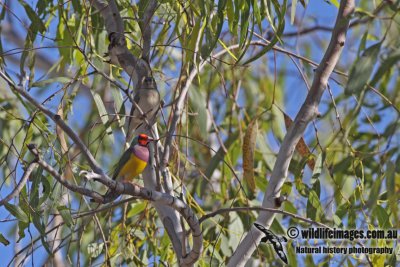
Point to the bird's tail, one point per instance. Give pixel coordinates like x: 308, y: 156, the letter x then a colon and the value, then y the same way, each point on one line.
x: 110, y: 196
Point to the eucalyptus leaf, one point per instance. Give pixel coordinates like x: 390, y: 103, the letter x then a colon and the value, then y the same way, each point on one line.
x: 17, y: 212
x: 95, y: 249
x: 103, y: 114
x: 39, y: 25
x: 362, y: 69
x: 4, y: 240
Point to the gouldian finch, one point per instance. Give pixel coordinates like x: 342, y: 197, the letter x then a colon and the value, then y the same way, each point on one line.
x: 134, y: 159
x: 147, y: 98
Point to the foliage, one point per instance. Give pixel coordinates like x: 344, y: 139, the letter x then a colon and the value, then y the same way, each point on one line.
x: 57, y: 52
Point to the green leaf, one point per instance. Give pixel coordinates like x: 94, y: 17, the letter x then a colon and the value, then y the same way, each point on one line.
x: 66, y: 215
x: 342, y: 210
x: 392, y: 196
x: 213, y: 30
x: 47, y: 189
x: 314, y: 208
x: 232, y: 20
x: 374, y: 193
x: 41, y: 123
x: 352, y: 217
x: 27, y: 49
x: 198, y: 102
x: 289, y: 207
x: 36, y: 21
x: 137, y: 233
x: 293, y: 11
x: 257, y: 14
x: 265, y: 150
x: 191, y: 46
x: 34, y: 194
x: 227, y: 49
x: 363, y: 43
x: 219, y: 156
x: 95, y: 249
x: 291, y: 254
x: 261, y: 183
x: 386, y: 66
x: 44, y: 83
x: 382, y: 216
x: 21, y: 229
x: 244, y: 23
x: 103, y: 114
x: 28, y: 139
x: 3, y: 13
x: 4, y: 240
x: 38, y: 223
x: 220, y: 20
x: 118, y: 105
x: 64, y: 38
x: 280, y: 11
x: 17, y: 212
x: 362, y: 69
x: 235, y: 230
x: 319, y: 164
x: 362, y: 13
x: 136, y: 208
x: 390, y: 178
x: 36, y: 219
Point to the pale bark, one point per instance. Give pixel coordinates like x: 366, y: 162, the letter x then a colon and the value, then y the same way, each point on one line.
x: 307, y: 113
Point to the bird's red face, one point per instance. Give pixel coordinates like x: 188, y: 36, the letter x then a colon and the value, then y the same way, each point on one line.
x: 143, y: 139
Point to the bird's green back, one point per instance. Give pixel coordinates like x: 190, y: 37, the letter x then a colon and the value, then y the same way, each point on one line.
x: 123, y: 159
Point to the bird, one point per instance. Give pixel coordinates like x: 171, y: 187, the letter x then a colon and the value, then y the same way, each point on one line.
x: 132, y: 162
x: 147, y: 98
x: 274, y: 240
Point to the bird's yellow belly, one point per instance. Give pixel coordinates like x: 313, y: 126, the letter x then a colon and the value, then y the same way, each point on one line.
x: 133, y: 167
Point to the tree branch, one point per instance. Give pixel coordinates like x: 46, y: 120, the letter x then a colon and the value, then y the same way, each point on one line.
x: 307, y: 113
x: 140, y: 67
x: 159, y: 203
x: 145, y: 27
x: 247, y: 209
x: 61, y: 179
x: 21, y: 183
x: 362, y: 21
x: 135, y: 191
x: 57, y: 119
x: 118, y: 51
x: 177, y: 112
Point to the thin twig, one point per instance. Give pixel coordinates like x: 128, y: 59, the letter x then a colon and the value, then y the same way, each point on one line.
x: 246, y: 209
x: 57, y: 119
x: 136, y: 191
x: 145, y: 27
x: 21, y: 183
x: 61, y: 179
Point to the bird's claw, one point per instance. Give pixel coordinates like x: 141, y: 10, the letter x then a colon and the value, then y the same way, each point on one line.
x: 88, y: 175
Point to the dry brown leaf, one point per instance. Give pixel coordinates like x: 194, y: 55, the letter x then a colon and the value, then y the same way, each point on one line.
x: 249, y: 144
x: 301, y: 146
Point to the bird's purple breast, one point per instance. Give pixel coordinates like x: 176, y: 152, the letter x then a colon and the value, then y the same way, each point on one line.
x: 141, y: 152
